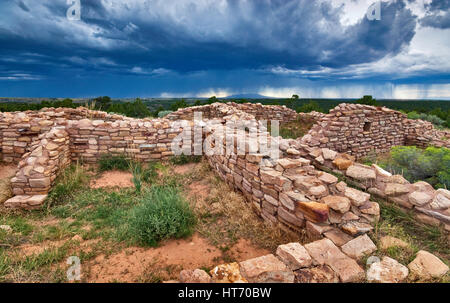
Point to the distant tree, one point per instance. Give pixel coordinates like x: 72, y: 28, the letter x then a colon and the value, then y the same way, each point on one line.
x: 309, y: 107
x: 368, y: 100
x: 295, y: 97
x: 179, y: 104
x: 102, y: 102
x: 212, y: 100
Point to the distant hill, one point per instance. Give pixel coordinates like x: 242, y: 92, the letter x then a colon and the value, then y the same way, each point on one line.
x: 247, y: 96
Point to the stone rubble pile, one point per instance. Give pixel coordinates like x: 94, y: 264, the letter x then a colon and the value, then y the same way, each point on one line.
x: 321, y: 261
x: 254, y: 111
x: 430, y: 206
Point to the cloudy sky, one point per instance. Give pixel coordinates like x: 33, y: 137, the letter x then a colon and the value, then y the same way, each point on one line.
x: 175, y: 48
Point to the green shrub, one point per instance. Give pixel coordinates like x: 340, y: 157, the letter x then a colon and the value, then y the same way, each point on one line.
x: 162, y: 214
x: 368, y: 100
x: 112, y: 162
x: 431, y: 165
x: 164, y: 113
x: 309, y: 107
x: 427, y: 117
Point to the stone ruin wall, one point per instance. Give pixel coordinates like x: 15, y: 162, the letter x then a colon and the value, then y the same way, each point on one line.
x: 291, y: 190
x: 257, y: 111
x: 359, y: 129
x: 297, y: 190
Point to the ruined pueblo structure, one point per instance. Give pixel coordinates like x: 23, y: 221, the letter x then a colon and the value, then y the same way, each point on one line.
x: 312, y: 182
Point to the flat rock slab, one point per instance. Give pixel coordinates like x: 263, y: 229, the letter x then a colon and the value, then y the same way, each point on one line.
x: 317, y: 274
x: 356, y: 228
x: 25, y: 201
x: 387, y: 271
x: 294, y: 255
x: 359, y: 247
x: 338, y: 237
x: 427, y: 266
x: 360, y: 172
x: 266, y: 269
x: 326, y: 252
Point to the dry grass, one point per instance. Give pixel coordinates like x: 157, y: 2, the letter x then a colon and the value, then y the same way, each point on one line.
x: 157, y: 271
x: 225, y: 216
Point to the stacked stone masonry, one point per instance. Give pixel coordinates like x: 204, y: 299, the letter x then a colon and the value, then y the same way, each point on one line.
x: 359, y: 129
x: 291, y: 190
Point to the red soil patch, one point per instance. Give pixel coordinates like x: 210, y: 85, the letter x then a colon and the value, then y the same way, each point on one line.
x: 130, y: 265
x: 113, y: 178
x: 185, y: 168
x: 244, y: 250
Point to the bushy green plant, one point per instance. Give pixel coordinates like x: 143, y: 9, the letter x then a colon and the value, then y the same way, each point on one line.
x: 112, y: 162
x: 162, y: 214
x: 164, y: 113
x: 431, y: 165
x: 309, y: 107
x: 426, y: 117
x: 368, y: 100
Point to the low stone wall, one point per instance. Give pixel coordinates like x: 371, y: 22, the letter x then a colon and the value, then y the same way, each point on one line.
x: 359, y: 129
x: 39, y: 168
x: 294, y: 193
x: 18, y: 130
x: 430, y: 206
x: 141, y: 140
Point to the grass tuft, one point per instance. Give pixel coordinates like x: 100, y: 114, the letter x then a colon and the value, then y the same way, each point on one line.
x: 69, y: 181
x: 113, y: 162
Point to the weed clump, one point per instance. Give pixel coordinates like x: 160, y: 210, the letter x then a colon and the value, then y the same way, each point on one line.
x: 70, y: 180
x: 161, y: 215
x: 184, y: 159
x: 113, y: 162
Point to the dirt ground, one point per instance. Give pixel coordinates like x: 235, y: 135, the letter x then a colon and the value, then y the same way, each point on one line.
x: 138, y: 264
x: 109, y: 261
x: 114, y: 178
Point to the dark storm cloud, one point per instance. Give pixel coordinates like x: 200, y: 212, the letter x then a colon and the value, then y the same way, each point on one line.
x: 438, y: 14
x: 187, y: 35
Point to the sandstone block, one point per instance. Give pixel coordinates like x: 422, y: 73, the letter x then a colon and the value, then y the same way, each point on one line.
x: 294, y: 255
x: 360, y: 172
x: 227, y: 273
x: 359, y: 247
x: 387, y: 271
x: 266, y: 269
x: 313, y: 211
x: 427, y: 266
x: 337, y: 203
